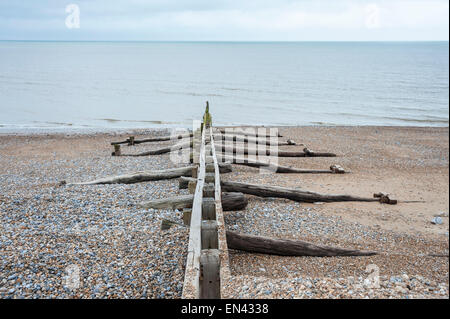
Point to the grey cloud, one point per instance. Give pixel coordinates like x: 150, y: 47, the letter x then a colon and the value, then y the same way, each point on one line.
x: 225, y: 20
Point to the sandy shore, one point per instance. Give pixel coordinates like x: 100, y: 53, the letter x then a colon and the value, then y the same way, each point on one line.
x: 409, y: 163
x: 119, y: 251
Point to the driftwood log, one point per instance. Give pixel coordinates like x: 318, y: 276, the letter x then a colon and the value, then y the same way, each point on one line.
x: 164, y: 150
x: 288, y: 193
x: 231, y: 201
x: 245, y: 151
x: 286, y: 247
x: 279, y: 168
x: 181, y: 136
x: 140, y: 177
x: 153, y: 139
x: 235, y: 131
x: 241, y: 138
x: 147, y: 176
x: 295, y: 194
x: 282, y: 247
x: 184, y: 182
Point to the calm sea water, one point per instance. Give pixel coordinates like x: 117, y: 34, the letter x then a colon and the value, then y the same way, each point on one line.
x: 125, y: 84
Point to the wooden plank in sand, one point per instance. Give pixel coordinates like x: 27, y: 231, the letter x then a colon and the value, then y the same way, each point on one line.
x: 191, y: 286
x: 224, y: 272
x: 270, y: 141
x: 251, y: 132
x: 132, y: 141
x: 267, y: 152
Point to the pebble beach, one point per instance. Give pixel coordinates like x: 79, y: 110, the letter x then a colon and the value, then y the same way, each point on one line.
x: 50, y: 234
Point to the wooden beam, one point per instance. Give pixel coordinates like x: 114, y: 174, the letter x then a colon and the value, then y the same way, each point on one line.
x: 236, y: 131
x: 334, y: 169
x: 224, y: 265
x: 154, y: 139
x: 208, y: 190
x: 116, y: 151
x: 187, y: 213
x: 146, y: 176
x: 224, y: 139
x: 268, y: 152
x: 291, y: 193
x: 139, y: 177
x: 230, y: 202
x: 209, y: 209
x: 286, y: 247
x: 191, y: 285
x: 163, y: 150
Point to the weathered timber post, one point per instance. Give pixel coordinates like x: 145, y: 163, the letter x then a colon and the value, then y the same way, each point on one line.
x: 337, y: 169
x: 209, y: 209
x: 208, y: 190
x: 116, y: 150
x: 207, y: 120
x: 195, y: 172
x: 209, y: 168
x: 191, y: 186
x: 209, y: 234
x: 210, y: 178
x: 210, y: 274
x: 187, y: 213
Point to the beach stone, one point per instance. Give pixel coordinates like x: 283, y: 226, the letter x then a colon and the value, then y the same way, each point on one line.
x: 437, y: 221
x: 395, y: 279
x: 400, y: 289
x: 12, y: 277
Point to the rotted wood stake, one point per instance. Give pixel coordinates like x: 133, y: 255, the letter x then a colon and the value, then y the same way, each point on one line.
x: 191, y: 186
x: 208, y: 190
x: 230, y: 202
x: 210, y: 239
x: 187, y: 213
x: 195, y: 172
x: 210, y: 178
x: 209, y: 209
x: 384, y: 198
x: 156, y: 139
x: 210, y: 274
x: 298, y: 195
x: 116, y: 150
x: 209, y: 168
x: 131, y: 140
x: 337, y: 169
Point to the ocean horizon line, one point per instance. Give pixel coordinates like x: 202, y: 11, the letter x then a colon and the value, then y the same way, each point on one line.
x: 233, y: 41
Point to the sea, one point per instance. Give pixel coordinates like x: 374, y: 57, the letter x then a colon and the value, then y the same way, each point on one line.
x: 110, y: 85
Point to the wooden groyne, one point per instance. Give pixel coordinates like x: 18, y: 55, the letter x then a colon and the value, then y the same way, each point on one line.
x: 207, y: 260
x: 207, y: 267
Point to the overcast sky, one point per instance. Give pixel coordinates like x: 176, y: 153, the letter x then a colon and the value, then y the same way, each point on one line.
x: 226, y: 20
